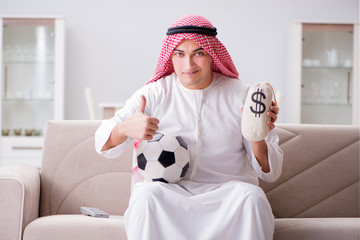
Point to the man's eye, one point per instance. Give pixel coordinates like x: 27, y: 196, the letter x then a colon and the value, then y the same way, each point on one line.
x: 179, y: 54
x: 199, y: 53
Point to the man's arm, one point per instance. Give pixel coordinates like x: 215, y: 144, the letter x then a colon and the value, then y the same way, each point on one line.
x: 139, y: 126
x: 260, y: 148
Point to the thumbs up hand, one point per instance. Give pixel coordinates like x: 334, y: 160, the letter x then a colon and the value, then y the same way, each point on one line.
x: 141, y: 126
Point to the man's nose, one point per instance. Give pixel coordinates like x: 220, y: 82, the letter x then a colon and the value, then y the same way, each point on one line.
x: 189, y: 62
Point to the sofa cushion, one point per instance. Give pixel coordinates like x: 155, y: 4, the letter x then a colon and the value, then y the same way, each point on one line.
x: 317, y: 228
x: 76, y: 227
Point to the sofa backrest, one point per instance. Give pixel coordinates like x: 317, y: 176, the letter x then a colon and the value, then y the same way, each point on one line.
x: 74, y: 175
x: 320, y: 172
x: 320, y: 176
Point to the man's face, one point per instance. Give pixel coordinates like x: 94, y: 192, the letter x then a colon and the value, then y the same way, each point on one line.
x: 192, y: 64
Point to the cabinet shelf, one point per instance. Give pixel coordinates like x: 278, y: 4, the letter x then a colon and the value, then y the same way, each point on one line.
x: 22, y: 137
x: 14, y: 99
x: 27, y: 62
x: 326, y: 68
x: 326, y: 104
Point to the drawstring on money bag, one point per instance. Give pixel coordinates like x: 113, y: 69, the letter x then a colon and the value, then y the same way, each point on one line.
x: 257, y: 103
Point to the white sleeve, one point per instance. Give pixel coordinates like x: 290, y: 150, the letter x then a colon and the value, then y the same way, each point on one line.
x: 102, y: 134
x: 275, y: 157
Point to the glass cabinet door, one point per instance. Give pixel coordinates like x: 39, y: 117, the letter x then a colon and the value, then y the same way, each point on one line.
x: 28, y: 75
x: 32, y: 84
x: 327, y: 73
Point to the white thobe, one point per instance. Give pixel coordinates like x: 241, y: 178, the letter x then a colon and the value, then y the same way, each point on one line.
x: 219, y: 197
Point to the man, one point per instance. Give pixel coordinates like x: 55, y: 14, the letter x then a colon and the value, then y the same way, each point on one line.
x: 196, y: 94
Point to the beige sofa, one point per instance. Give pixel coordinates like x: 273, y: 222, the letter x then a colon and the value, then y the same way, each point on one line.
x: 317, y: 196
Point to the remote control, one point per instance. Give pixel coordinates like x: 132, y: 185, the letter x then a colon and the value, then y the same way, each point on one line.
x: 93, y: 212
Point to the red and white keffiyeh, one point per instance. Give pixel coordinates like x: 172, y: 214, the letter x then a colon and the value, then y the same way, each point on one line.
x: 222, y: 61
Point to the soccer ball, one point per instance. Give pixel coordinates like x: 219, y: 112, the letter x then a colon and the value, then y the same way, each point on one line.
x: 165, y: 158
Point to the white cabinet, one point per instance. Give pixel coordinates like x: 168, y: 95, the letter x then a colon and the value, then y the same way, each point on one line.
x: 326, y: 73
x: 32, y: 84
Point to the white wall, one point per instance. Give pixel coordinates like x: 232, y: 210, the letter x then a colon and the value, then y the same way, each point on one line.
x: 112, y: 46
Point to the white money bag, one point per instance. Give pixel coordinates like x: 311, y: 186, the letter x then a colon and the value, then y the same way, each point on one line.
x: 254, y: 118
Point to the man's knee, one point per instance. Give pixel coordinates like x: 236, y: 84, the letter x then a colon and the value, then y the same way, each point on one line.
x: 252, y: 195
x: 258, y: 196
x: 147, y: 191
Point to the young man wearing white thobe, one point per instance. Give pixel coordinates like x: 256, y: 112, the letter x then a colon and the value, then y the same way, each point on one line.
x: 196, y: 94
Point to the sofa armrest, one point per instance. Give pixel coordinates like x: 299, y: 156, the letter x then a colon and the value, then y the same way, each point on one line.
x: 19, y: 199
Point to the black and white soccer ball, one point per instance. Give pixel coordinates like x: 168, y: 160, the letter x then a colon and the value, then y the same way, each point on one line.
x: 165, y: 158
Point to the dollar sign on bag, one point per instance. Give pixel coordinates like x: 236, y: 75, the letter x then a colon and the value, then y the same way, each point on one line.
x: 260, y: 106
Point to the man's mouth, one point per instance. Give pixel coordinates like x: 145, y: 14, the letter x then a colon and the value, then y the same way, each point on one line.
x: 190, y: 73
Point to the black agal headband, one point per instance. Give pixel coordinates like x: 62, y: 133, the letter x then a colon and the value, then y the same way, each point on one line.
x: 192, y: 29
